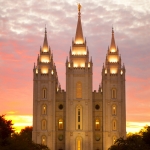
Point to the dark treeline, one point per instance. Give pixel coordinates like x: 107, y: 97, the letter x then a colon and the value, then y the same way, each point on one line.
x: 139, y: 141
x: 10, y: 140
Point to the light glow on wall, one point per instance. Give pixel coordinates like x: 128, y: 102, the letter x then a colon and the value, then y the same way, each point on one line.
x: 88, y: 65
x: 82, y: 65
x: 79, y: 53
x: 112, y: 58
x: 36, y: 71
x: 45, y: 59
x: 52, y: 72
x: 44, y: 70
x: 113, y: 70
x: 79, y: 42
x: 45, y: 50
x: 69, y: 65
x: 75, y: 65
x: 121, y: 72
x: 113, y: 50
x: 105, y: 71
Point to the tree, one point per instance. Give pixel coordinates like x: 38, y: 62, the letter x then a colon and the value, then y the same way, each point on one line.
x: 23, y: 141
x: 146, y: 135
x: 6, y: 130
x: 9, y: 140
x: 134, y: 142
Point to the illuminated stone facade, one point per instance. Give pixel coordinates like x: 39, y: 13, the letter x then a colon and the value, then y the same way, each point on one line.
x: 78, y: 118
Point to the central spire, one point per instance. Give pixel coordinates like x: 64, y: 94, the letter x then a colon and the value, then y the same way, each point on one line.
x: 113, y: 45
x: 45, y: 43
x: 79, y: 34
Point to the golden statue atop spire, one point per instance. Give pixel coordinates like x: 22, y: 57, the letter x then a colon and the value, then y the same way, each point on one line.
x: 79, y: 7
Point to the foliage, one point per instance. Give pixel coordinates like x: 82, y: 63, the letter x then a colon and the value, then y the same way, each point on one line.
x: 134, y: 142
x: 6, y: 130
x: 17, y: 141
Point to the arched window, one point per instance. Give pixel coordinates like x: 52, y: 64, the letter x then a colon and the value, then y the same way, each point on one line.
x: 114, y: 93
x: 44, y: 91
x: 78, y: 117
x: 44, y: 125
x: 60, y: 124
x: 44, y: 109
x: 114, y: 110
x: 43, y: 140
x: 114, y: 139
x: 97, y: 124
x: 79, y: 90
x: 78, y: 143
x: 114, y: 125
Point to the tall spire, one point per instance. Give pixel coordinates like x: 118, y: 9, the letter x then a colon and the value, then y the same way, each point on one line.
x: 79, y: 34
x: 45, y: 43
x: 113, y: 45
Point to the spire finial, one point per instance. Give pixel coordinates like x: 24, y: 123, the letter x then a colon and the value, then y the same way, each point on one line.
x: 112, y: 30
x: 79, y: 34
x: 45, y: 43
x: 79, y: 7
x: 45, y: 29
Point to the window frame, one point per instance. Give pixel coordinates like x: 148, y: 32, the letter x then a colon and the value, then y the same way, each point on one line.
x: 60, y: 126
x: 43, y: 137
x: 79, y: 117
x: 43, y: 127
x: 113, y: 93
x: 44, y: 112
x: 78, y: 89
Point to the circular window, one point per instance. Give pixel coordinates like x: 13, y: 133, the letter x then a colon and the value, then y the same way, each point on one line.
x: 60, y: 106
x: 97, y: 107
x: 60, y: 137
x: 97, y: 137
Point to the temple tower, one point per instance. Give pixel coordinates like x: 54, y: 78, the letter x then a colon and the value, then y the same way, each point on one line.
x: 45, y: 84
x: 79, y: 126
x: 114, y: 104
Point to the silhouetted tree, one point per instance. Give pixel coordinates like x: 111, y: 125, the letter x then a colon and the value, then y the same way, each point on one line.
x: 140, y: 141
x: 146, y: 135
x: 6, y: 130
x: 9, y: 140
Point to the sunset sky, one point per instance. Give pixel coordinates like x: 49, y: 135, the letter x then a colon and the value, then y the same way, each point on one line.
x: 22, y: 24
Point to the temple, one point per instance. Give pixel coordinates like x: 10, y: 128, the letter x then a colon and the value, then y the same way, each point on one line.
x: 78, y: 118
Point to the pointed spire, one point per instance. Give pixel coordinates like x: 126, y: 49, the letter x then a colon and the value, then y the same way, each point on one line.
x: 113, y: 45
x: 45, y: 43
x: 67, y: 60
x: 34, y: 66
x: 91, y: 59
x: 79, y: 34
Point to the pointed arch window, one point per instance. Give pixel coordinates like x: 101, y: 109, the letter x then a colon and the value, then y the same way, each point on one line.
x: 114, y: 139
x: 44, y: 124
x: 97, y: 124
x: 78, y: 143
x: 44, y: 109
x: 114, y: 110
x: 114, y: 125
x: 44, y: 140
x: 44, y: 93
x: 60, y: 124
x: 79, y: 117
x: 114, y: 93
x: 79, y: 90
